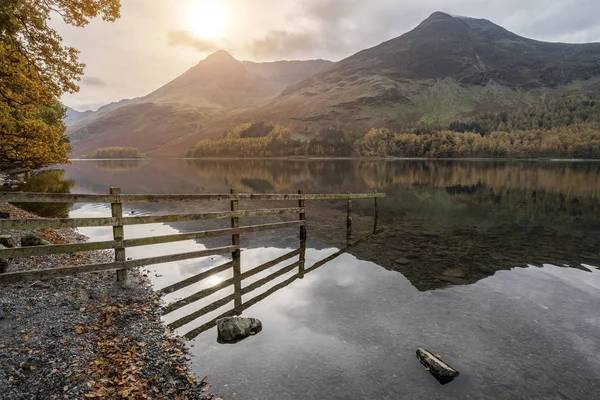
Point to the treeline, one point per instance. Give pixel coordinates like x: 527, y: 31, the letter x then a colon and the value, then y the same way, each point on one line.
x: 258, y: 139
x: 115, y: 152
x: 567, y: 127
x: 575, y: 141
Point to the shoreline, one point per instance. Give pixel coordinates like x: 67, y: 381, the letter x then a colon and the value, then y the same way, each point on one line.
x: 87, y: 334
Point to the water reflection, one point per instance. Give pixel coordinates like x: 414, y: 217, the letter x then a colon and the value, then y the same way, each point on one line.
x: 46, y: 181
x: 216, y: 283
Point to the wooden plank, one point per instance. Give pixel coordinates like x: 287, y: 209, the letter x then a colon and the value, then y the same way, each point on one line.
x: 154, y: 198
x: 207, y: 234
x: 179, y: 257
x: 194, y: 279
x: 20, y: 197
x: 14, y: 277
x: 17, y: 252
x: 118, y: 232
x: 6, y: 224
x: 151, y: 219
x: 237, y: 311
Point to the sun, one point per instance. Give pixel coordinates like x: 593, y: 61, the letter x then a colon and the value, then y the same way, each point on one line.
x: 207, y: 18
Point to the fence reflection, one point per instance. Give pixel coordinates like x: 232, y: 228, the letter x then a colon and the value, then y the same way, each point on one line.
x: 239, y: 289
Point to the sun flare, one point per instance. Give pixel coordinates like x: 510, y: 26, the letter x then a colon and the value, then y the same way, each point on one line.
x: 207, y: 19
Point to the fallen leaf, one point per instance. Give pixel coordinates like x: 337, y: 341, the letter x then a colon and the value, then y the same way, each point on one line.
x: 66, y: 388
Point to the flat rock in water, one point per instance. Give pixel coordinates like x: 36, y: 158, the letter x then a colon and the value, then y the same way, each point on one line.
x: 443, y: 372
x: 3, y: 261
x: 32, y: 240
x: 234, y: 329
x: 7, y: 241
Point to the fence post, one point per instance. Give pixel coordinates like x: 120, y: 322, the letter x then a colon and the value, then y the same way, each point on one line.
x: 376, y: 213
x: 348, y: 222
x: 118, y: 233
x: 236, y: 255
x: 302, y: 215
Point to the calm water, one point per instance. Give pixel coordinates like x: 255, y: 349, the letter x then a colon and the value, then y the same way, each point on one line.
x: 490, y: 264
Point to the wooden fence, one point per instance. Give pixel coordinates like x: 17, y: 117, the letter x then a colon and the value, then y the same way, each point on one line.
x: 239, y: 291
x: 119, y: 243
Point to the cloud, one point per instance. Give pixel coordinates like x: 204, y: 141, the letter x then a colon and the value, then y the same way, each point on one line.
x: 282, y: 43
x: 187, y: 39
x: 93, y: 81
x: 339, y: 28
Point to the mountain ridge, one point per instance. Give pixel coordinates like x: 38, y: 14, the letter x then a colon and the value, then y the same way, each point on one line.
x: 445, y: 68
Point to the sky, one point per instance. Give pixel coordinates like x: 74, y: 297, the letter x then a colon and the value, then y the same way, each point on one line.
x: 155, y: 41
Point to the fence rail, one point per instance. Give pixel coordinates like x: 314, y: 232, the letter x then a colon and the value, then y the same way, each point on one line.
x: 119, y: 243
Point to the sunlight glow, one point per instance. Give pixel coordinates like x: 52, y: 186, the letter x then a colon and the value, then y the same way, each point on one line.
x: 207, y: 18
x: 214, y: 280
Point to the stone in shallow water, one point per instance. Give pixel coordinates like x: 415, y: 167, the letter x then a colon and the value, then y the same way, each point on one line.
x: 3, y: 261
x: 443, y: 372
x: 31, y: 240
x: 234, y: 329
x: 7, y: 241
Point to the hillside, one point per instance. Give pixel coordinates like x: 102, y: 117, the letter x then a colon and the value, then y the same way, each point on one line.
x: 445, y: 69
x: 185, y: 106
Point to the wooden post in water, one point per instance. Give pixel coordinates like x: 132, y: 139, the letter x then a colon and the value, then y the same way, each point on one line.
x: 301, y: 204
x: 302, y: 216
x: 376, y: 213
x: 118, y: 233
x: 348, y: 222
x: 236, y: 255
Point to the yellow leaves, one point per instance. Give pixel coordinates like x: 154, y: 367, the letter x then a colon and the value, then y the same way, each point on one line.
x: 79, y: 329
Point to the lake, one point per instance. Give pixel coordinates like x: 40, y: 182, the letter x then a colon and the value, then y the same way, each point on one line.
x: 491, y: 264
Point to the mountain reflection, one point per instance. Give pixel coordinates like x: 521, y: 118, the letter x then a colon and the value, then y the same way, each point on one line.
x: 447, y: 222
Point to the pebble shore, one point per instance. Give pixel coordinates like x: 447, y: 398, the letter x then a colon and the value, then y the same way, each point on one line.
x: 87, y: 336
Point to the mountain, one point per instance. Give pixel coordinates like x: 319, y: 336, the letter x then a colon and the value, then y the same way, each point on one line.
x: 74, y: 117
x: 185, y: 106
x: 446, y: 68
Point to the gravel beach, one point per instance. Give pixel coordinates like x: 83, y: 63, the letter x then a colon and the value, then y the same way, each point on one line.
x: 87, y: 336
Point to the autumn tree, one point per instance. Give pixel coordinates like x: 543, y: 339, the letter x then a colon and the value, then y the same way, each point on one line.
x: 36, y: 69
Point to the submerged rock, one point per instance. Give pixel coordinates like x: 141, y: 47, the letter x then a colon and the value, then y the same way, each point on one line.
x: 32, y: 240
x: 3, y: 261
x: 443, y: 372
x: 234, y: 329
x: 7, y: 241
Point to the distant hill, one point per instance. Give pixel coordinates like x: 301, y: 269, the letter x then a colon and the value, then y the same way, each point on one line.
x: 184, y: 106
x: 445, y: 69
x: 75, y: 117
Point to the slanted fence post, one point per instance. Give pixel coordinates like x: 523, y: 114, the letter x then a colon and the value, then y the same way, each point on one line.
x: 116, y: 208
x: 236, y: 255
x: 348, y: 222
x: 302, y: 216
x: 376, y: 213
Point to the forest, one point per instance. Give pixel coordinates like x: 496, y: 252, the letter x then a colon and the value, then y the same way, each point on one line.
x: 567, y: 127
x: 114, y: 152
